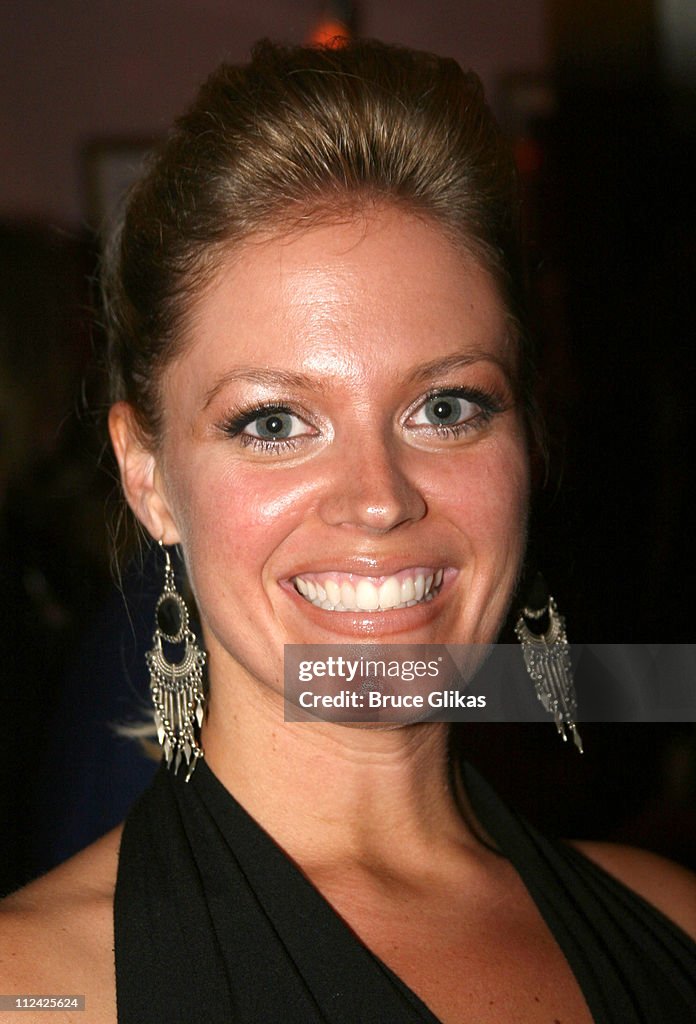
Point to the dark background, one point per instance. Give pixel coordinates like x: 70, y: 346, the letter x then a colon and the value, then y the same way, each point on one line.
x: 597, y: 100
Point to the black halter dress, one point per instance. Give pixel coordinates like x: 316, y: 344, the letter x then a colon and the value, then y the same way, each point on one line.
x: 215, y: 924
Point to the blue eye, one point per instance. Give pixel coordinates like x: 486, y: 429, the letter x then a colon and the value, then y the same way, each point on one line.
x: 273, y: 426
x: 267, y: 428
x: 446, y: 410
x: 443, y: 410
x: 451, y: 414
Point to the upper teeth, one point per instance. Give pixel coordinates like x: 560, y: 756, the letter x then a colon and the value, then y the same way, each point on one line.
x: 347, y: 592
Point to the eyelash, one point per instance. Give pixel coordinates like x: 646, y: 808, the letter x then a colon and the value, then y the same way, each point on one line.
x: 265, y: 445
x: 489, y: 405
x: 235, y: 425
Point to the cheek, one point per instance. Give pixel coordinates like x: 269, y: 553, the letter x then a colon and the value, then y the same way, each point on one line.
x: 238, y: 518
x: 486, y: 492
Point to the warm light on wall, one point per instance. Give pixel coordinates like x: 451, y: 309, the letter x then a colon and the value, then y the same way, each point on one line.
x: 329, y: 33
x: 335, y: 25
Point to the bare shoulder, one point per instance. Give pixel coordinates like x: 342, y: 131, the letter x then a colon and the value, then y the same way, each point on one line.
x: 56, y: 935
x: 668, y: 886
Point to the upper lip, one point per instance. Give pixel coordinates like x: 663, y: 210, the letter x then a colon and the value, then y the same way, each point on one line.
x: 370, y: 567
x: 409, y: 570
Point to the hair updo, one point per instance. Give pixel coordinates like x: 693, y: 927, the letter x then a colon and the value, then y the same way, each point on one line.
x: 300, y: 134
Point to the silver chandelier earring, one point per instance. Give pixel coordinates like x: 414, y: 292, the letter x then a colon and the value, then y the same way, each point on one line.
x: 176, y: 687
x: 542, y: 634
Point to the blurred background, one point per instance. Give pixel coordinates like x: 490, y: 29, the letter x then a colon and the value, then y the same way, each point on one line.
x: 599, y: 103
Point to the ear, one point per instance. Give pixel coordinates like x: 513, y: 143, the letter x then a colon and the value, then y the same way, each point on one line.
x: 140, y: 475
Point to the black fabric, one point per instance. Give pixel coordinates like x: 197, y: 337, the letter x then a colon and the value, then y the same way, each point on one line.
x: 214, y: 923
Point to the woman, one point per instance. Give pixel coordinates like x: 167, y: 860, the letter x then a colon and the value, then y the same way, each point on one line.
x: 321, y: 382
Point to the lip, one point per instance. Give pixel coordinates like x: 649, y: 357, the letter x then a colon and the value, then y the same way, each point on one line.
x: 373, y: 566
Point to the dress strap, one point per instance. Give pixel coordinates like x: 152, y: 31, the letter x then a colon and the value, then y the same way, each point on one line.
x: 214, y: 922
x: 633, y: 965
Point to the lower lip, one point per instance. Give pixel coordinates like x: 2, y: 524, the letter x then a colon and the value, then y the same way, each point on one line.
x: 393, y: 620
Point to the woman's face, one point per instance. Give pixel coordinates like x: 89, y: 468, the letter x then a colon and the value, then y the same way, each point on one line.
x: 343, y: 458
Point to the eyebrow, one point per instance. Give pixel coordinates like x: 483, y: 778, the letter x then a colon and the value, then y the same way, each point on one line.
x: 440, y: 367
x: 288, y: 379
x: 261, y: 375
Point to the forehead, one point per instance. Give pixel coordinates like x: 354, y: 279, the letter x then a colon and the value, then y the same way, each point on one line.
x: 361, y: 296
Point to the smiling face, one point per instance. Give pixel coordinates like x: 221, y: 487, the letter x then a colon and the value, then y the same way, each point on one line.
x: 343, y: 456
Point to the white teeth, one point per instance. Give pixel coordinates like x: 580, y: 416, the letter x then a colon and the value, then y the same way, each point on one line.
x: 390, y: 593
x: 365, y: 596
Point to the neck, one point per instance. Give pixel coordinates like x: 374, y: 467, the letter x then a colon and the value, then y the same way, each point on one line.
x: 326, y: 791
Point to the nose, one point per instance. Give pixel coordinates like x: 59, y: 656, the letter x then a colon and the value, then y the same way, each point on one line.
x: 370, y: 488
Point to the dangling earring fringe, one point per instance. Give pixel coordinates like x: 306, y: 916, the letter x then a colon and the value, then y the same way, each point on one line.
x: 547, y: 658
x: 176, y: 688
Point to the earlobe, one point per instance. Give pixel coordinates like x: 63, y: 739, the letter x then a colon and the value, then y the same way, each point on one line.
x: 140, y: 477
